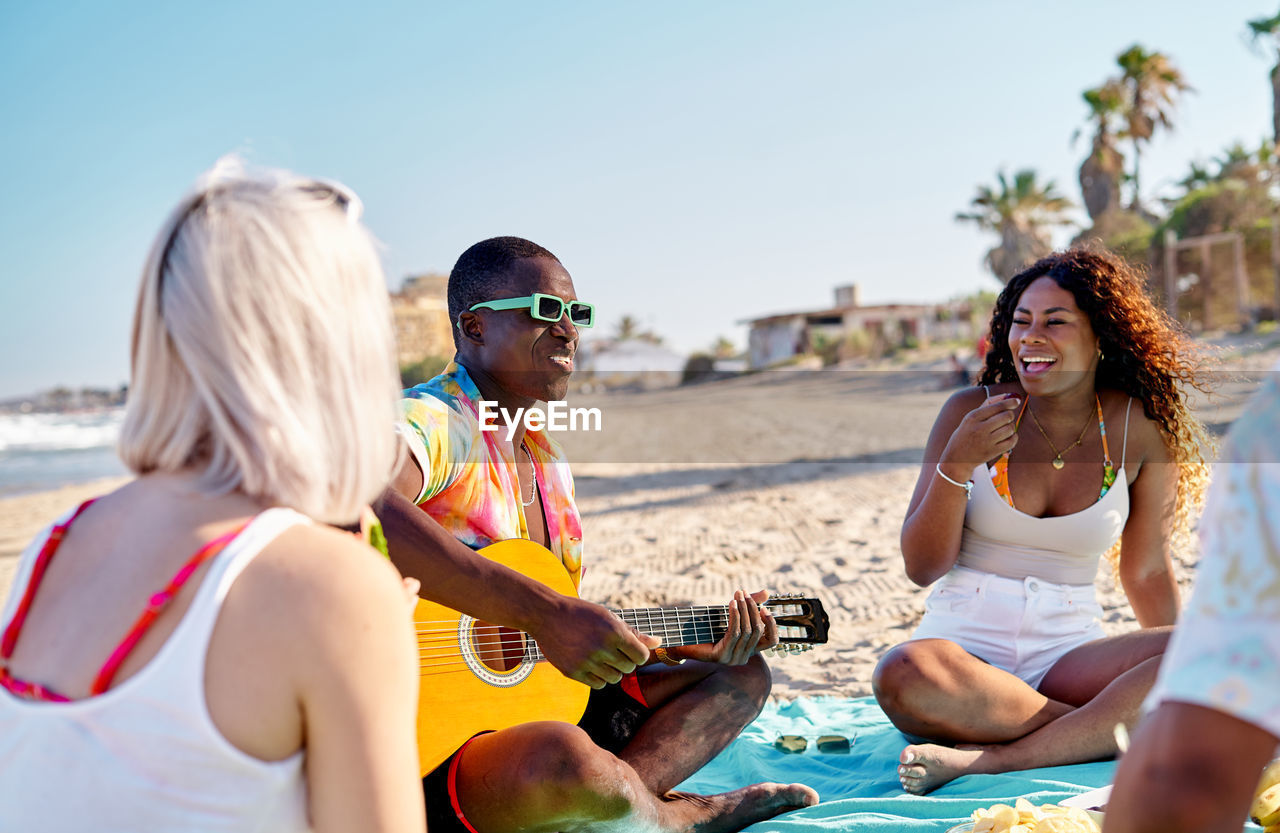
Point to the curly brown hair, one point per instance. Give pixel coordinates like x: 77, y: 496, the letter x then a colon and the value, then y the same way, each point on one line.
x: 1145, y: 354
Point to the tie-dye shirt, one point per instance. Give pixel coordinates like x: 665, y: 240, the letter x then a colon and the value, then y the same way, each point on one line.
x: 470, y: 485
x: 1225, y: 653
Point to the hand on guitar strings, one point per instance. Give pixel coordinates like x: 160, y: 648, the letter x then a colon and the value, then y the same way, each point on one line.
x: 751, y: 629
x: 589, y: 643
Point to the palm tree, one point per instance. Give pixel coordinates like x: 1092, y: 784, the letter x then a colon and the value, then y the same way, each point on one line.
x: 1238, y: 162
x: 1102, y: 171
x: 1153, y: 84
x: 628, y: 327
x: 724, y: 348
x: 1196, y: 178
x: 1021, y: 211
x: 1269, y: 28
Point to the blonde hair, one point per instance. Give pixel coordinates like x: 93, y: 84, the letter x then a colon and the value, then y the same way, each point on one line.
x: 263, y: 354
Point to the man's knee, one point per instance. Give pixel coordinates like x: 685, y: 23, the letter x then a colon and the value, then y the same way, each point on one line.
x: 573, y: 778
x: 757, y: 680
x: 750, y: 683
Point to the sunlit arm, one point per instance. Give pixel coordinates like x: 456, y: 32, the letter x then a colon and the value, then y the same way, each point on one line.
x: 1190, y: 770
x: 935, y: 516
x: 1146, y: 565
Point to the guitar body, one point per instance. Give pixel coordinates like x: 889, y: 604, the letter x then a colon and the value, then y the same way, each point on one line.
x: 478, y: 677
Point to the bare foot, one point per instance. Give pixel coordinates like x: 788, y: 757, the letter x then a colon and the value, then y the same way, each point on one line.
x: 735, y: 810
x: 927, y: 766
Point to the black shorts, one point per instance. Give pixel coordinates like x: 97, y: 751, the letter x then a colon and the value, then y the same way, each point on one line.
x: 613, y: 715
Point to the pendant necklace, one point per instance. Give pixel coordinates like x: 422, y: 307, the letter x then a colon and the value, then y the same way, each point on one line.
x: 1058, y: 462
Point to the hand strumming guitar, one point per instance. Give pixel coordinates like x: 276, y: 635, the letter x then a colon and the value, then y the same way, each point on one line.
x: 589, y: 643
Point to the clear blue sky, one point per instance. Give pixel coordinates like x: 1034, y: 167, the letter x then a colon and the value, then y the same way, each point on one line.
x: 693, y: 164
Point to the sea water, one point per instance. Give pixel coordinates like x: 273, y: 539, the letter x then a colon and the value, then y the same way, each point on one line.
x: 47, y: 450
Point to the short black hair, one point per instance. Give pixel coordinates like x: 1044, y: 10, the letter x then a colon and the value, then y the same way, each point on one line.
x: 484, y: 269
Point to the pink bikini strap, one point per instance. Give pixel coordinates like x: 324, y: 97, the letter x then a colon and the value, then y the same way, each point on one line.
x: 158, y: 602
x: 10, y: 638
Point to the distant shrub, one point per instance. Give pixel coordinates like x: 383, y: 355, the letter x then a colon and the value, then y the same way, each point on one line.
x: 699, y: 367
x: 421, y: 371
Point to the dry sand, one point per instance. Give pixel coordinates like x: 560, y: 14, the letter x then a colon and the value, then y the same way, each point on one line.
x: 795, y: 481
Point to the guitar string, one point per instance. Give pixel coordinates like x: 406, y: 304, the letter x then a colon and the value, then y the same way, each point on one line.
x: 530, y: 650
x: 720, y: 621
x: 638, y: 610
x: 510, y: 639
x: 720, y: 610
x: 702, y: 625
x: 657, y: 629
x: 454, y: 657
x: 460, y: 664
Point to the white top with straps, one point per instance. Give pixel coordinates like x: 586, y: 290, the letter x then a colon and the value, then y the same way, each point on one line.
x: 145, y: 755
x: 1000, y: 539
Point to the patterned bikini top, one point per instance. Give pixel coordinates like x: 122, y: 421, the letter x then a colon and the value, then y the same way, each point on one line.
x: 1000, y: 470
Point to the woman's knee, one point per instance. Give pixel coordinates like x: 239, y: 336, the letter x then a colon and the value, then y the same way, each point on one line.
x: 902, y: 670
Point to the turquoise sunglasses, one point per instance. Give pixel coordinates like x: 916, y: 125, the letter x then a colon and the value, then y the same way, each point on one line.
x: 545, y: 308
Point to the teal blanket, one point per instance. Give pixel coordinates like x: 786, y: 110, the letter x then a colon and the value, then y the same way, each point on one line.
x: 860, y: 790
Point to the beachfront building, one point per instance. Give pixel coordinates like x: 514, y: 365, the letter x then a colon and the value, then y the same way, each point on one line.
x: 850, y: 329
x: 638, y: 363
x: 420, y: 311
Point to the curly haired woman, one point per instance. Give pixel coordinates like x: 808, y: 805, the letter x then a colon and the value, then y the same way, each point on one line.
x: 1078, y: 443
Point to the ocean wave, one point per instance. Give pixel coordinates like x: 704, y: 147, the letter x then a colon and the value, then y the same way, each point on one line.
x: 60, y: 431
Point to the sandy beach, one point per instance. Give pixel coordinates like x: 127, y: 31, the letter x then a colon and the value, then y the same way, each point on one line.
x: 795, y: 481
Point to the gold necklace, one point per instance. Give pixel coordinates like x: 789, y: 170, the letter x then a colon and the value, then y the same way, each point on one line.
x: 1058, y: 462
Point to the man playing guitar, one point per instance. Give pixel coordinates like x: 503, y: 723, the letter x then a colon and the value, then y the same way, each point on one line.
x: 673, y: 709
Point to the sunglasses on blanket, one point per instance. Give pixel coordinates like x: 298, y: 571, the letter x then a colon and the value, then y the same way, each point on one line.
x: 828, y: 744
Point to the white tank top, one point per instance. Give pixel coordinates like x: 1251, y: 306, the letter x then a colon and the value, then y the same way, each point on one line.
x: 1000, y: 539
x: 145, y: 755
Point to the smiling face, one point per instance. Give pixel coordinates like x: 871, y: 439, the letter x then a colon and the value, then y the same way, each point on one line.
x: 1052, y: 341
x: 524, y: 358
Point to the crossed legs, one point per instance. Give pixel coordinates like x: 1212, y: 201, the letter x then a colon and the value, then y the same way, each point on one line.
x: 553, y: 777
x: 934, y: 689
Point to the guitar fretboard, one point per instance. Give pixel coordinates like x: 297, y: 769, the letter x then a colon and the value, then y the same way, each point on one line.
x: 701, y: 625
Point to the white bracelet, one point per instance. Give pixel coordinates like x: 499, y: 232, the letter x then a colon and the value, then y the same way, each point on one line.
x: 967, y: 485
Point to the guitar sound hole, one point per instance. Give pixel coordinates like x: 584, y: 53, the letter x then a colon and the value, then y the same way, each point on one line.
x: 501, y: 649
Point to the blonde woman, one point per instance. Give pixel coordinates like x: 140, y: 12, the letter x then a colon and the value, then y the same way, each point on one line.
x: 194, y: 651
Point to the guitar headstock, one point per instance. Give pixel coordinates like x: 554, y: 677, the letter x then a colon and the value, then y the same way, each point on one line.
x: 801, y: 621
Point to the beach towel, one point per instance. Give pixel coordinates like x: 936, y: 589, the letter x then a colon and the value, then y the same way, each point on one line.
x: 860, y: 790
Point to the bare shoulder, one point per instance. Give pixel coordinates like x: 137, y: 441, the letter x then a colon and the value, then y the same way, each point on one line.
x: 965, y: 400
x: 314, y: 572
x: 1137, y: 434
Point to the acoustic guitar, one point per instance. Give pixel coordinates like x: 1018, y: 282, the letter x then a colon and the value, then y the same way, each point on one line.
x: 476, y: 676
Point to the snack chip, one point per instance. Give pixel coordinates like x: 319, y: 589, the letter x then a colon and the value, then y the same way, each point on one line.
x: 1025, y: 817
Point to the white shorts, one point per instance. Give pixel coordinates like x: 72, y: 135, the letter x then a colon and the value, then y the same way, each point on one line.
x: 1022, y: 626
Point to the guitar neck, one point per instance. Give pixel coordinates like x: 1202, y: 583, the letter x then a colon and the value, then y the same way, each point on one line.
x: 675, y: 626
x: 801, y: 622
